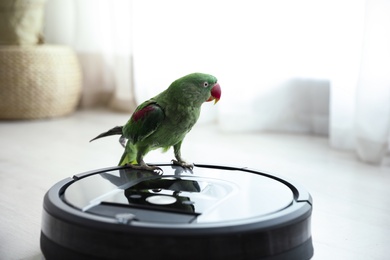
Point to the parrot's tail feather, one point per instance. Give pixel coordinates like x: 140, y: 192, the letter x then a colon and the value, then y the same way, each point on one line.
x: 126, y: 160
x: 123, y: 160
x: 114, y: 131
x: 129, y: 155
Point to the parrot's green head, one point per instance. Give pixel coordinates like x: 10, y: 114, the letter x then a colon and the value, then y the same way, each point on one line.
x: 195, y: 89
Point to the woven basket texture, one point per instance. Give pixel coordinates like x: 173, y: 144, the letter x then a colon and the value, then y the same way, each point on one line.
x: 38, y: 81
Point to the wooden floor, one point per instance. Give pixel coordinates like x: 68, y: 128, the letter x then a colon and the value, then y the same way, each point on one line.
x: 351, y: 216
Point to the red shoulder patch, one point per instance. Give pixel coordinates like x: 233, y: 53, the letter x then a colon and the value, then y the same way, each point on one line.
x: 141, y: 113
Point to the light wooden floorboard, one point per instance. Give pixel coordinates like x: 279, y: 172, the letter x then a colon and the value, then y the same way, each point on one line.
x: 351, y: 216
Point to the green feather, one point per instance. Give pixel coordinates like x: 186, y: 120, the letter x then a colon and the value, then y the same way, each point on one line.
x: 164, y: 120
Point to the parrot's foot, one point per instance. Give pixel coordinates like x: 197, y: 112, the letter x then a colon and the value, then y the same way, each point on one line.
x: 145, y: 167
x: 183, y: 164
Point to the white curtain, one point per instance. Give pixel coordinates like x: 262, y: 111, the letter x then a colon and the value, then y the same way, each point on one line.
x: 312, y: 67
x: 360, y: 93
x: 100, y: 31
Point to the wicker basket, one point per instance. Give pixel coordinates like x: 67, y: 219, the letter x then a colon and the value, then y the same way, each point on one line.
x: 38, y: 81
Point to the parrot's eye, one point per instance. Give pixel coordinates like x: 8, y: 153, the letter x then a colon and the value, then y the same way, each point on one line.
x: 205, y: 84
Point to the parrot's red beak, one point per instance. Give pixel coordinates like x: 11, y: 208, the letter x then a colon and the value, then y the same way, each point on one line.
x: 215, y: 93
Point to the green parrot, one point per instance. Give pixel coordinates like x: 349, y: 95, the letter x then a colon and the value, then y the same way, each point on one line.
x: 164, y: 120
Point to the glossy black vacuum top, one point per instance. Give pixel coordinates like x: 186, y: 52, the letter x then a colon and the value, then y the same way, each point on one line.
x: 212, y: 195
x: 212, y: 212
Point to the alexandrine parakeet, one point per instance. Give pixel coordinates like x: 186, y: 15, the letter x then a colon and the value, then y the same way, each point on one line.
x: 164, y: 120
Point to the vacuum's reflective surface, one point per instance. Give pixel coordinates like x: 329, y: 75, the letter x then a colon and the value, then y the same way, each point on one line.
x: 213, y: 212
x: 178, y: 196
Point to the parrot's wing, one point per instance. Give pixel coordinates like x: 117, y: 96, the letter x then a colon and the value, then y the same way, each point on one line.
x: 144, y: 121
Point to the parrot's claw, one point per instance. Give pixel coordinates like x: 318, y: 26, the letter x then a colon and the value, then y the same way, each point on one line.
x: 145, y: 167
x: 183, y: 164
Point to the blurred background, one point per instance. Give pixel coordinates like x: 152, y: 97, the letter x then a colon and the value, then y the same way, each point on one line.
x: 305, y: 95
x: 310, y: 67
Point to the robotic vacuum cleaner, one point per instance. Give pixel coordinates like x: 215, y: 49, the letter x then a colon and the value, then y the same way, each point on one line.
x: 211, y: 212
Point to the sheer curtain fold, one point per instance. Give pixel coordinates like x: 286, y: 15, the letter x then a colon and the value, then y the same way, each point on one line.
x: 311, y: 67
x: 373, y: 88
x: 360, y: 110
x: 100, y: 33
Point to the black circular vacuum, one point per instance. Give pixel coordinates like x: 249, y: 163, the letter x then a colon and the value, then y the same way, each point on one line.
x: 212, y: 212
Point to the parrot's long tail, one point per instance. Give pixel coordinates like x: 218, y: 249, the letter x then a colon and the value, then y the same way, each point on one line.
x: 114, y: 131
